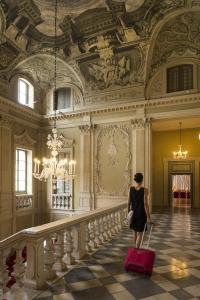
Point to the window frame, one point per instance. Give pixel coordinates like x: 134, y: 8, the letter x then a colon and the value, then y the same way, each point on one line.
x: 28, y: 171
x: 180, y: 78
x: 70, y: 98
x: 29, y: 101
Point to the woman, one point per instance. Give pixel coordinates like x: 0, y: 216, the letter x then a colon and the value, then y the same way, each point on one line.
x: 138, y: 202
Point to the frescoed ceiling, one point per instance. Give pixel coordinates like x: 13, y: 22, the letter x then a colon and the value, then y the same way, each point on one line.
x: 72, y: 8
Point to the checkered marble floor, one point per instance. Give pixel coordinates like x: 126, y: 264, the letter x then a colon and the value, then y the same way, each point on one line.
x: 176, y: 239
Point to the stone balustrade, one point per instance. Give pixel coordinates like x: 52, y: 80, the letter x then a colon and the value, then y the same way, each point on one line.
x: 62, y: 201
x: 23, y: 201
x: 33, y: 256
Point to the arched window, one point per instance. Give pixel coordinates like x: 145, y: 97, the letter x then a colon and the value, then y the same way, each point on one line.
x: 180, y: 78
x: 25, y: 92
x: 63, y: 96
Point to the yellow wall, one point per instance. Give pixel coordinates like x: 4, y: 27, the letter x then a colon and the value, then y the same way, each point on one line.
x: 164, y: 143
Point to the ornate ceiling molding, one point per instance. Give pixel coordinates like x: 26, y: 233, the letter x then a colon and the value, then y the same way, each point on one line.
x: 22, y: 113
x: 2, y: 24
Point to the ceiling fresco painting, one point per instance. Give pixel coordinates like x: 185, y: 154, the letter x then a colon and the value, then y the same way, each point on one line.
x: 72, y: 8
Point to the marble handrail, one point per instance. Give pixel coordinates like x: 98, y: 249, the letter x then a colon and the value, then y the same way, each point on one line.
x: 34, y: 255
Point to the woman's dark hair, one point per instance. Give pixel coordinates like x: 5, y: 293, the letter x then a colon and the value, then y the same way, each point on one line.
x: 138, y: 177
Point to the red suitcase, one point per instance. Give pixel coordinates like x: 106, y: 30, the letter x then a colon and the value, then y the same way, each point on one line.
x: 140, y: 260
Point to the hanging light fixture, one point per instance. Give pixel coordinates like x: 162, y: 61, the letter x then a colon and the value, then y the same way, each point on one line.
x: 53, y: 167
x: 180, y: 154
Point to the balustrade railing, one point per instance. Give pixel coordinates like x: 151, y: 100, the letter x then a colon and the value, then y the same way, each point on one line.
x: 33, y: 256
x: 62, y: 201
x: 23, y: 201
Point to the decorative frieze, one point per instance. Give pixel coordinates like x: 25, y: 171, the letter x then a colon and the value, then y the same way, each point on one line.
x: 165, y: 103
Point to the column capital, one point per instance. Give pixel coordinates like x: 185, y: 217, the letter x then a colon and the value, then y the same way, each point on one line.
x: 140, y: 123
x: 87, y: 128
x: 6, y: 121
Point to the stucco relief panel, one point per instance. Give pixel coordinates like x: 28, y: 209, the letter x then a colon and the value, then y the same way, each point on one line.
x: 179, y: 37
x: 125, y: 69
x: 113, y: 160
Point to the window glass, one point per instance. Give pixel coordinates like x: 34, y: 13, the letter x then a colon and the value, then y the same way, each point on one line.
x: 180, y: 78
x: 25, y: 92
x: 23, y: 176
x: 64, y: 98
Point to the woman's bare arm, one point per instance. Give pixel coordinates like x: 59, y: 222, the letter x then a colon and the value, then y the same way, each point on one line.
x: 146, y: 205
x: 129, y: 201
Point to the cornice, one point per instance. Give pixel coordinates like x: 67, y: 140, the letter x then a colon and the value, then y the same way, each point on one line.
x: 167, y: 103
x: 19, y: 111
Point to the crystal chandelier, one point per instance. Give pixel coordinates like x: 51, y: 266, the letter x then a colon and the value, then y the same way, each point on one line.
x: 54, y: 167
x: 180, y: 154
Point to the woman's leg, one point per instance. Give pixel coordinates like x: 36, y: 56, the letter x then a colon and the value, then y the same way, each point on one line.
x: 135, y: 237
x: 138, y: 240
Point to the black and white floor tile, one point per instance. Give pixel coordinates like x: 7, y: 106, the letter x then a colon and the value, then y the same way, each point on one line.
x: 176, y: 240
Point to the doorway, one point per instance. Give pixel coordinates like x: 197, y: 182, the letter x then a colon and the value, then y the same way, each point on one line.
x: 181, y: 190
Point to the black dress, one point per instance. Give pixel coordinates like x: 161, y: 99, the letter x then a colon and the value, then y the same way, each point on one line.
x: 139, y: 218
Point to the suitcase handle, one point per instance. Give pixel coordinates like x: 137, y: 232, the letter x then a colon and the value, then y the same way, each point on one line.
x: 149, y: 237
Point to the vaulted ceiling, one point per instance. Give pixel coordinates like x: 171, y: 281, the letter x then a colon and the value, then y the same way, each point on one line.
x: 72, y: 8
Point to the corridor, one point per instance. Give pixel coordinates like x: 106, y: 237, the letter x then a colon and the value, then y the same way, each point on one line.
x: 176, y: 238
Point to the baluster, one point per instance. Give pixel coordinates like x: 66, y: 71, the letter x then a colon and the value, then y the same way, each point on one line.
x: 68, y: 202
x: 108, y: 227
x: 122, y: 218
x: 87, y: 238
x: 116, y: 222
x: 105, y: 228
x: 49, y: 259
x: 69, y: 259
x: 92, y: 234
x: 64, y: 201
x: 110, y: 230
x: 96, y: 225
x: 19, y: 266
x: 4, y: 277
x: 101, y: 231
x: 24, y: 202
x: 59, y: 252
x: 61, y: 202
x: 114, y: 231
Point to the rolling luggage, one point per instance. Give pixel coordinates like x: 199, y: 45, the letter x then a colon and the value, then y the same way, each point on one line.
x: 140, y: 260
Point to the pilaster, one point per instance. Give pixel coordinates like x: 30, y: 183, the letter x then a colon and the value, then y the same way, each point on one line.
x: 141, y: 151
x: 6, y: 177
x: 86, y: 195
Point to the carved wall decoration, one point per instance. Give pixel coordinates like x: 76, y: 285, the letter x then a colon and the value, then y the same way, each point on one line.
x: 113, y: 159
x: 151, y: 13
x: 24, y: 139
x: 2, y: 24
x: 7, y: 55
x: 178, y: 37
x: 117, y: 70
x: 41, y: 69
